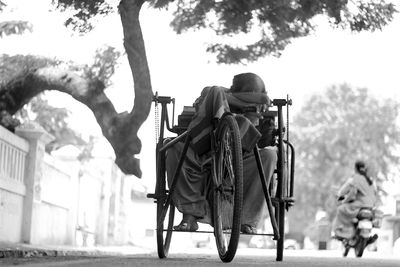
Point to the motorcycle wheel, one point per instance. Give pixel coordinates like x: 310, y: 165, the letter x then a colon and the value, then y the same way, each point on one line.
x: 346, y: 251
x: 360, y: 246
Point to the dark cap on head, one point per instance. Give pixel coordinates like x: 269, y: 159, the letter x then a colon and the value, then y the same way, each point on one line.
x: 247, y: 82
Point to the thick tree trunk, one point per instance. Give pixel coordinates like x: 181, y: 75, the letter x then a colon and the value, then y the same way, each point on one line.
x: 135, y: 49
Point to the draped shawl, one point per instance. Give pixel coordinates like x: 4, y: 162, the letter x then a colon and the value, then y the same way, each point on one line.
x: 212, y: 104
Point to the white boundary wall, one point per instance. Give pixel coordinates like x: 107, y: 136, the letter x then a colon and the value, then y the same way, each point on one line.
x: 36, y: 198
x: 54, y: 201
x: 13, y: 153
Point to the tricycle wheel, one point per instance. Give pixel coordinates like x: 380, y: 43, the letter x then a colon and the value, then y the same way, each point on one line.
x: 163, y: 234
x: 228, y: 188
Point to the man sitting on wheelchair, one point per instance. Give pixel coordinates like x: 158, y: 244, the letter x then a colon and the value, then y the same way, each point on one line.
x: 192, y: 189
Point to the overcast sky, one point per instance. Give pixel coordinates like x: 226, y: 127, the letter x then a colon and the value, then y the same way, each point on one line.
x: 180, y: 67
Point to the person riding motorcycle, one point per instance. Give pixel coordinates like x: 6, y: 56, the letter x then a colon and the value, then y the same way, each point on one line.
x: 357, y: 192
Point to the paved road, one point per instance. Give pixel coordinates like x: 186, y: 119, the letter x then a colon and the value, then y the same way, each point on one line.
x: 194, y: 258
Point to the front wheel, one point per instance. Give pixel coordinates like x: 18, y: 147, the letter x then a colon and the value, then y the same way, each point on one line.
x: 360, y: 246
x: 346, y: 249
x: 228, y: 188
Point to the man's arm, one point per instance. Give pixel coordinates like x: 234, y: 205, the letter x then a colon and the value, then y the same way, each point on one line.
x: 347, y: 193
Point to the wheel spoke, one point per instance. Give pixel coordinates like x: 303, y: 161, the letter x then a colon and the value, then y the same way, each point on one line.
x: 228, y: 157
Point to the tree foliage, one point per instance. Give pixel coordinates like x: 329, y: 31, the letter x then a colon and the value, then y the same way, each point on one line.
x: 330, y: 133
x: 13, y: 26
x: 83, y: 12
x: 276, y: 21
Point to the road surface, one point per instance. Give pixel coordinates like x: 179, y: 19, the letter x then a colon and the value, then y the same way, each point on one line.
x: 204, y: 257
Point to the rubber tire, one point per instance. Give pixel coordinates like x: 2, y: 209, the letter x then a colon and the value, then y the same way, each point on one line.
x: 280, y: 243
x: 227, y: 242
x: 346, y: 250
x: 163, y: 237
x: 360, y: 246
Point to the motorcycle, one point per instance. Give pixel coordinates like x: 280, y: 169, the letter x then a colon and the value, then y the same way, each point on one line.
x: 367, y: 219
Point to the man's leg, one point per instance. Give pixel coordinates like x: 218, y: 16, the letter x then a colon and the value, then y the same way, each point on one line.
x: 189, y: 192
x: 343, y: 222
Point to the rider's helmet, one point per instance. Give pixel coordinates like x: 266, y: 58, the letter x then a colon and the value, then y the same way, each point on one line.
x: 360, y: 167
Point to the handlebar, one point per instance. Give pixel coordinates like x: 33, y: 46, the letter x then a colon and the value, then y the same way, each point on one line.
x: 163, y: 99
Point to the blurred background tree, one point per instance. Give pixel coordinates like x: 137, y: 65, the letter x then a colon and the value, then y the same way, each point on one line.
x: 55, y: 121
x: 332, y: 130
x: 10, y: 27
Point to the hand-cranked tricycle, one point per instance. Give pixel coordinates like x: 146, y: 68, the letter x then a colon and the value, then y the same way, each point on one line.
x: 225, y: 163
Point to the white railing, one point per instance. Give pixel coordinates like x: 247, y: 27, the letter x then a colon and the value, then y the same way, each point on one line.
x: 13, y: 151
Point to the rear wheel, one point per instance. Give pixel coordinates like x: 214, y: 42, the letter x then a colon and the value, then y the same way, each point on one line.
x: 280, y: 216
x: 163, y: 234
x: 228, y: 188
